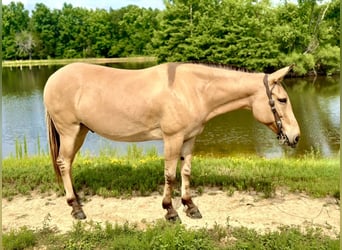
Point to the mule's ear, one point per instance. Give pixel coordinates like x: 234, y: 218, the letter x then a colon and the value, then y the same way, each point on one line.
x: 278, y: 76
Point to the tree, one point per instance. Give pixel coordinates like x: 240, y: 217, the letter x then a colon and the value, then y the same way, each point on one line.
x: 332, y: 23
x: 227, y: 31
x: 25, y: 44
x: 305, y: 37
x: 133, y: 30
x: 15, y: 19
x: 72, y: 27
x: 175, y: 29
x: 99, y: 34
x: 248, y: 33
x: 44, y: 27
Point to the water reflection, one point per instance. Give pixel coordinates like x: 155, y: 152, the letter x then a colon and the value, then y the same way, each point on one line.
x: 315, y: 104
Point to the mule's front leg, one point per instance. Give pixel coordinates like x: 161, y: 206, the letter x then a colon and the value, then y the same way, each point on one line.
x: 186, y: 155
x: 172, y: 148
x: 170, y: 178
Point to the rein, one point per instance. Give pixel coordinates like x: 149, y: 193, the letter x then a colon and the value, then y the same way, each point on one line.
x: 277, y: 119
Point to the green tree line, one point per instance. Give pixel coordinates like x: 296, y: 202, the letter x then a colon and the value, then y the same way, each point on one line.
x: 253, y: 34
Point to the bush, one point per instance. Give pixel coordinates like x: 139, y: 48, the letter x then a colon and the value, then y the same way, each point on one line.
x: 304, y: 63
x: 328, y: 60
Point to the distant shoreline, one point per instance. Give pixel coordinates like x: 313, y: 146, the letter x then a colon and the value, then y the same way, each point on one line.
x: 46, y: 62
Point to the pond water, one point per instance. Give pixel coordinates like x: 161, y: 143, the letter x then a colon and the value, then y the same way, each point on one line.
x: 316, y: 104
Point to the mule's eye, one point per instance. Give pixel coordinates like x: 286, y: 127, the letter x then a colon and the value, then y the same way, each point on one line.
x: 282, y: 100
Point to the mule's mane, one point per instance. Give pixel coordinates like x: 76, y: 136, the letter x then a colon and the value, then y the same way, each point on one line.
x: 223, y: 66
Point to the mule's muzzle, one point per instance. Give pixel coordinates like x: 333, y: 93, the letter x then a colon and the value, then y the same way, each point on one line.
x: 296, y: 139
x: 284, y: 140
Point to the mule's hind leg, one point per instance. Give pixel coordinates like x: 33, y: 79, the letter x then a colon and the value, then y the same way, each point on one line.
x: 186, y: 155
x: 70, y: 142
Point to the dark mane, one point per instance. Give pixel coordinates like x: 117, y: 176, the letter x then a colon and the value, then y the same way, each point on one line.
x: 223, y: 66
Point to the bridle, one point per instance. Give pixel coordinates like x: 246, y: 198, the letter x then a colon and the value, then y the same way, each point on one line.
x: 281, y: 136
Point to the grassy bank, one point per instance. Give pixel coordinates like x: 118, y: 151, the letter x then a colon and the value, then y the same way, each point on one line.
x: 140, y: 173
x: 46, y: 62
x: 164, y: 235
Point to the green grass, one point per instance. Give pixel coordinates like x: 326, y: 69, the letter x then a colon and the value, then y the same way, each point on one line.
x: 20, y: 239
x: 46, y: 62
x: 164, y: 235
x: 318, y: 177
x: 139, y: 173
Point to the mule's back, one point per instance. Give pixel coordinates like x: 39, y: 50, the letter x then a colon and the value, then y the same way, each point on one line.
x: 118, y: 104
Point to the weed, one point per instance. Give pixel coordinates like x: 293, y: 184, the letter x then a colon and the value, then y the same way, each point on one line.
x: 134, y: 152
x: 40, y: 150
x: 46, y: 229
x: 164, y: 235
x: 152, y: 152
x: 25, y: 147
x: 19, y: 239
x: 18, y: 149
x: 21, y: 148
x: 200, y: 190
x: 286, y: 238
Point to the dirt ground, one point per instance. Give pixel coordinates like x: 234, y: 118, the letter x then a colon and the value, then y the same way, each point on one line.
x: 240, y: 209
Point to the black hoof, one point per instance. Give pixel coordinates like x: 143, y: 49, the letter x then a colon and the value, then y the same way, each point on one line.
x: 173, y: 218
x: 193, y: 213
x: 79, y: 215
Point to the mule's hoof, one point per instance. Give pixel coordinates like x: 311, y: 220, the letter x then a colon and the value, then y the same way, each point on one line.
x: 173, y: 218
x: 194, y: 213
x: 78, y: 215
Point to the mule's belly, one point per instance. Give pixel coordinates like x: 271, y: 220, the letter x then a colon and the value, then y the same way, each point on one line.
x: 137, y: 136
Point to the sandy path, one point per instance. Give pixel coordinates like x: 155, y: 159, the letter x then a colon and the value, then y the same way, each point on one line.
x: 241, y: 209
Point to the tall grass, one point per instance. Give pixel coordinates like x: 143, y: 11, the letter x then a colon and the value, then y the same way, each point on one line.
x: 22, y: 150
x: 140, y: 173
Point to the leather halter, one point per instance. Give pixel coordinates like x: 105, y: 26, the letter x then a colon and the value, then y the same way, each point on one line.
x: 273, y: 108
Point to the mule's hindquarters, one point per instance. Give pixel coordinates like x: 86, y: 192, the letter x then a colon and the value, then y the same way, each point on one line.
x: 63, y: 148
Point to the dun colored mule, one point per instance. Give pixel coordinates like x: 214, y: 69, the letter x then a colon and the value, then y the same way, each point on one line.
x: 171, y: 101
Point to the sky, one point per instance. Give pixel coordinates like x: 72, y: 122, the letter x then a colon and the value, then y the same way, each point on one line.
x: 101, y: 4
x: 90, y: 4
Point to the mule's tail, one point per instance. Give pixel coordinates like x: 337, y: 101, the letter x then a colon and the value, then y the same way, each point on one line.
x: 54, y: 143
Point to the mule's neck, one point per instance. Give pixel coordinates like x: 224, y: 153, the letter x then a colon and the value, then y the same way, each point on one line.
x: 230, y: 90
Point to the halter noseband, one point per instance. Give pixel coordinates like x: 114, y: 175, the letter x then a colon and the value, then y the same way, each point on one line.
x: 277, y: 119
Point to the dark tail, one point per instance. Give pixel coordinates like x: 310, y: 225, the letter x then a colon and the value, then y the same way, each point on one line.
x: 54, y: 143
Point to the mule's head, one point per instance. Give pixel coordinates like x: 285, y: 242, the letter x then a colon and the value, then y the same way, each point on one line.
x: 272, y: 107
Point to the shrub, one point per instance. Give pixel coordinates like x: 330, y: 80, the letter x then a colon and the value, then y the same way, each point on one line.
x: 328, y: 59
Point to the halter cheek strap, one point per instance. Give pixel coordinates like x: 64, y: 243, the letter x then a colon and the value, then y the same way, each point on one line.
x: 273, y: 108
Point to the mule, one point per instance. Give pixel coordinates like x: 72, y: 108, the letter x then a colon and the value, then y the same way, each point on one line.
x: 171, y: 101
